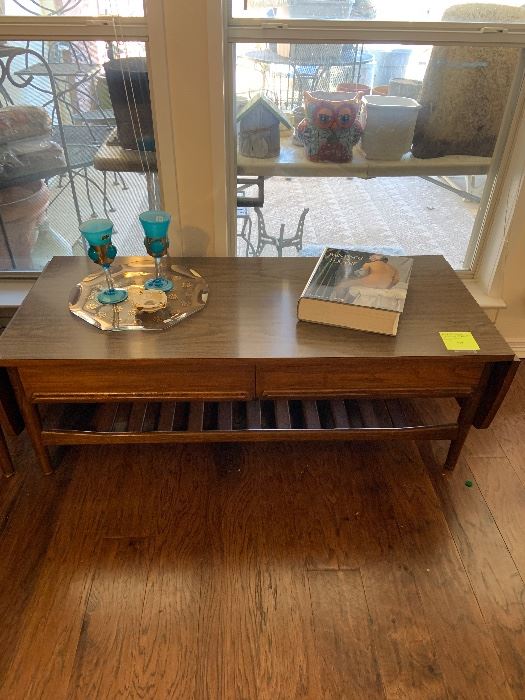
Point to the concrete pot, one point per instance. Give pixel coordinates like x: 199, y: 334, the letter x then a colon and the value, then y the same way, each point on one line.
x: 388, y: 124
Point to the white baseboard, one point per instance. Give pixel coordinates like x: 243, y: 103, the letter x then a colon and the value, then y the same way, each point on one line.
x: 518, y: 345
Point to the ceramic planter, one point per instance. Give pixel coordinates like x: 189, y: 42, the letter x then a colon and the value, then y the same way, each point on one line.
x: 388, y: 124
x: 330, y: 128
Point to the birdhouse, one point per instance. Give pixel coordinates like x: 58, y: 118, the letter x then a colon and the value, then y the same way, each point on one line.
x: 259, y: 122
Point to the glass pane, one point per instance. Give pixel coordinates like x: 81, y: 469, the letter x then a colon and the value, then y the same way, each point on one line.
x: 382, y: 10
x: 383, y: 145
x: 80, y: 8
x: 76, y: 142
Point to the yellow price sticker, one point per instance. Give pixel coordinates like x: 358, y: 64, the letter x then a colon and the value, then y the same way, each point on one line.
x: 459, y: 340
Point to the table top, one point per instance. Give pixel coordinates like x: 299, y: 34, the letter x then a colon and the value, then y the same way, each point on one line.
x: 111, y: 156
x: 251, y: 314
x: 96, y: 116
x: 345, y: 59
x: 60, y: 70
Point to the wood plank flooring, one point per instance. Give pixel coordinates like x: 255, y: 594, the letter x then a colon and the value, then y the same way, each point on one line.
x: 269, y: 571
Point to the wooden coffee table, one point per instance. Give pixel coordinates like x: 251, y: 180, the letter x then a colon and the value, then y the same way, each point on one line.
x: 244, y: 369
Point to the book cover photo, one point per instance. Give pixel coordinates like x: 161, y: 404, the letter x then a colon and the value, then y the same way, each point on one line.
x: 357, y: 289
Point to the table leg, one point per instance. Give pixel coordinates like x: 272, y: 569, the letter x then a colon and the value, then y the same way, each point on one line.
x: 32, y: 421
x: 247, y: 224
x: 499, y: 382
x: 469, y: 408
x: 466, y: 415
x: 11, y: 421
x: 6, y: 464
x: 249, y: 246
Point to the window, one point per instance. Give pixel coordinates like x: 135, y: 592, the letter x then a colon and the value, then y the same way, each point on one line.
x: 432, y: 196
x: 76, y: 130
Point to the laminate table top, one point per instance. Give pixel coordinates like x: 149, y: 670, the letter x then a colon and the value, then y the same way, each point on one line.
x: 251, y: 314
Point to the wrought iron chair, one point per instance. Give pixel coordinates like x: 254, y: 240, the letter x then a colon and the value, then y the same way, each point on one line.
x: 264, y: 239
x: 246, y: 231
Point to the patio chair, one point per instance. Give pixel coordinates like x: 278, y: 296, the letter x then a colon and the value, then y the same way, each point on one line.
x: 82, y: 142
x: 246, y: 230
x: 264, y: 239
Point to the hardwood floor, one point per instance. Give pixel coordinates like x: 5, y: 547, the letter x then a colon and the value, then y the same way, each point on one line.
x: 268, y: 571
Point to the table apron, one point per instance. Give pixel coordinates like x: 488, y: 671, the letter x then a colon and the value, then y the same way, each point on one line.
x: 368, y: 377
x: 113, y: 381
x: 245, y: 379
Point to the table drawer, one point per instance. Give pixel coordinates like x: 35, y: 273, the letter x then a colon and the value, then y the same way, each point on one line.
x: 178, y: 379
x: 367, y: 376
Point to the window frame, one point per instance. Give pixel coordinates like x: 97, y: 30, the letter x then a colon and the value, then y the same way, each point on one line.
x: 505, y: 174
x: 121, y: 28
x: 182, y: 188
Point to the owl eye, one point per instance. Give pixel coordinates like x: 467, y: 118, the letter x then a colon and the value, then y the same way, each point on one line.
x: 323, y: 116
x: 345, y: 117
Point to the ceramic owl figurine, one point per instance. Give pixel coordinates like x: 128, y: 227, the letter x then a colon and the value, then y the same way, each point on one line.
x: 330, y: 129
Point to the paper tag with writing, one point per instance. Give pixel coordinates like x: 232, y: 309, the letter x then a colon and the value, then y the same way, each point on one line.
x: 459, y: 340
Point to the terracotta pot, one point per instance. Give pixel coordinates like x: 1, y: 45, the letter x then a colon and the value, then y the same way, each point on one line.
x: 22, y: 208
x: 354, y: 87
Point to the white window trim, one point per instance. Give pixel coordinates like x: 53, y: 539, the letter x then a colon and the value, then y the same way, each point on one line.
x: 505, y: 197
x: 376, y: 32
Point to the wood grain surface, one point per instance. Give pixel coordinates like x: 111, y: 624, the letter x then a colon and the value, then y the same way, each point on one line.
x: 264, y: 571
x: 247, y: 344
x: 251, y: 314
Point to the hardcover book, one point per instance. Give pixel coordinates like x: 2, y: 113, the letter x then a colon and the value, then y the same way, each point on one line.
x: 356, y: 289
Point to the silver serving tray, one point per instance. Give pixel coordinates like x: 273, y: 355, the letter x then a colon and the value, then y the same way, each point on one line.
x: 165, y: 309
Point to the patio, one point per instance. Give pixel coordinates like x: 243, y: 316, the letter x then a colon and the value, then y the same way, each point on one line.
x: 407, y: 213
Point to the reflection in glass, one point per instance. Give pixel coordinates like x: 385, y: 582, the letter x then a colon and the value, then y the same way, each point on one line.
x: 61, y: 158
x: 435, y: 177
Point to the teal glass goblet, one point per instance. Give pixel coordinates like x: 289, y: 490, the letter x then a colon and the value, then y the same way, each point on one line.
x: 102, y: 251
x: 155, y: 224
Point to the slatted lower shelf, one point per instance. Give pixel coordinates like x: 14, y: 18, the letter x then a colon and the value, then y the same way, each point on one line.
x: 237, y: 421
